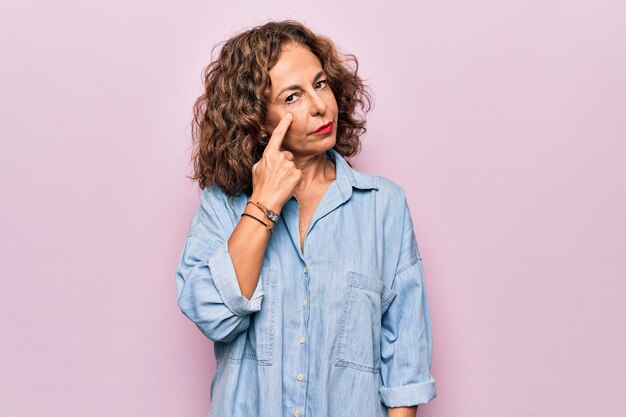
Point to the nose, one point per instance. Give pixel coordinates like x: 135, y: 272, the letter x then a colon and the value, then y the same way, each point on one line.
x: 318, y: 105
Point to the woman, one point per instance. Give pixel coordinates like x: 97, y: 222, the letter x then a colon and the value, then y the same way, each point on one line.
x: 303, y: 271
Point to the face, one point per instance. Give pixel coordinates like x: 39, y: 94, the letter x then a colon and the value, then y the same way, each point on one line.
x: 300, y: 87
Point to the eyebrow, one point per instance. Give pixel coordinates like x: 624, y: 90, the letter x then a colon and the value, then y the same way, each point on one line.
x: 297, y: 87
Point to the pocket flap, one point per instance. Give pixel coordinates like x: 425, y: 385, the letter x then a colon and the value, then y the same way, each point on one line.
x: 368, y: 282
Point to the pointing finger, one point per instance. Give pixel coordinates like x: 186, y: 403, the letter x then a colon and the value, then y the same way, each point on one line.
x: 279, y: 132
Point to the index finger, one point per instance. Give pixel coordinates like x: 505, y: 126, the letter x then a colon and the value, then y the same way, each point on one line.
x: 279, y: 132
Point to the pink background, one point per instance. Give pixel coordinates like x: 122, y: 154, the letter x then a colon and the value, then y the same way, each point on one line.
x: 504, y: 121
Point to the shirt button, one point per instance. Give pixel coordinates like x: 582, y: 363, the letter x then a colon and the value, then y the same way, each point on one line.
x: 302, y: 340
x: 300, y: 377
x: 304, y: 303
x: 296, y: 413
x: 306, y: 270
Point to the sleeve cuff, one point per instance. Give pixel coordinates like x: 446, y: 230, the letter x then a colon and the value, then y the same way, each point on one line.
x: 409, y: 395
x: 225, y: 279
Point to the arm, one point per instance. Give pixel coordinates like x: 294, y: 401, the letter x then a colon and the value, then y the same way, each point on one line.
x: 216, y: 269
x: 406, y: 343
x: 402, y: 412
x: 248, y: 243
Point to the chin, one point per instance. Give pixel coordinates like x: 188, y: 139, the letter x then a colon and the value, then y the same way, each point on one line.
x: 329, y: 143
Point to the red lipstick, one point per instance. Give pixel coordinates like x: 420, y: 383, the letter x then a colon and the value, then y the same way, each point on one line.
x: 325, y: 128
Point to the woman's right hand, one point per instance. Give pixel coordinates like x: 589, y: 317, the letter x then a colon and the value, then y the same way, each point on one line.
x: 275, y: 177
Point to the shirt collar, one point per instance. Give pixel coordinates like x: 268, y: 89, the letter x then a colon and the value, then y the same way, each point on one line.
x: 347, y: 177
x: 337, y: 194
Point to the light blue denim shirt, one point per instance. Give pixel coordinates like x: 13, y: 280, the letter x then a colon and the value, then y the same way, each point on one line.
x: 339, y: 329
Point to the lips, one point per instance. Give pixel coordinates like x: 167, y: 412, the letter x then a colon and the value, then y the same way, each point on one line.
x: 324, y: 126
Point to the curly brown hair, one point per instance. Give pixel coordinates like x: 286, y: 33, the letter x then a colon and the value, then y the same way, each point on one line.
x: 229, y: 117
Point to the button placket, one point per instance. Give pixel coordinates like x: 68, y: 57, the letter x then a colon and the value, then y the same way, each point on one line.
x: 302, y: 339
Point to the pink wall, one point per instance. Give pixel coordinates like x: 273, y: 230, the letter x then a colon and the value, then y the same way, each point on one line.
x: 505, y: 122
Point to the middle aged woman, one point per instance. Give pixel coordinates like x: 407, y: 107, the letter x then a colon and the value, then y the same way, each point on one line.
x: 303, y: 271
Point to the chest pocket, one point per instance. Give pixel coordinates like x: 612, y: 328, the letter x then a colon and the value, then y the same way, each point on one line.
x: 365, y: 301
x: 257, y: 341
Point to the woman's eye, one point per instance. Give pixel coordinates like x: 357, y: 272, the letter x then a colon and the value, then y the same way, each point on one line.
x: 323, y: 81
x: 287, y: 98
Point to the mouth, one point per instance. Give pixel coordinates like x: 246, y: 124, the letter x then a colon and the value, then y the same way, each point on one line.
x: 325, y: 128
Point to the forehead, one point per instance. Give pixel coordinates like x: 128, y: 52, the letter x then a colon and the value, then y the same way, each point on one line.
x: 296, y: 63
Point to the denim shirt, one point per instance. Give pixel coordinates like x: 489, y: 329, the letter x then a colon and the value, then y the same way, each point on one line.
x: 339, y: 329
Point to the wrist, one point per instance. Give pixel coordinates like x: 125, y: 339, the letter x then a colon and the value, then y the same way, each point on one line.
x: 268, y: 202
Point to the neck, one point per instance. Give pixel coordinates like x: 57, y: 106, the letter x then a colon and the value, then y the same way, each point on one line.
x: 316, y: 169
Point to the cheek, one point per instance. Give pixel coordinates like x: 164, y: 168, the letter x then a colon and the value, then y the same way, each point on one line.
x: 332, y: 102
x: 298, y: 124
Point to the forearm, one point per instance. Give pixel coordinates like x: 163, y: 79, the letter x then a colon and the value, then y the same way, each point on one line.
x: 402, y: 411
x: 247, y: 246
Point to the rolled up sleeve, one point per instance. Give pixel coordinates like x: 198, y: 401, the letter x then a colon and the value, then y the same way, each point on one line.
x: 406, y: 342
x: 208, y: 289
x: 223, y: 272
